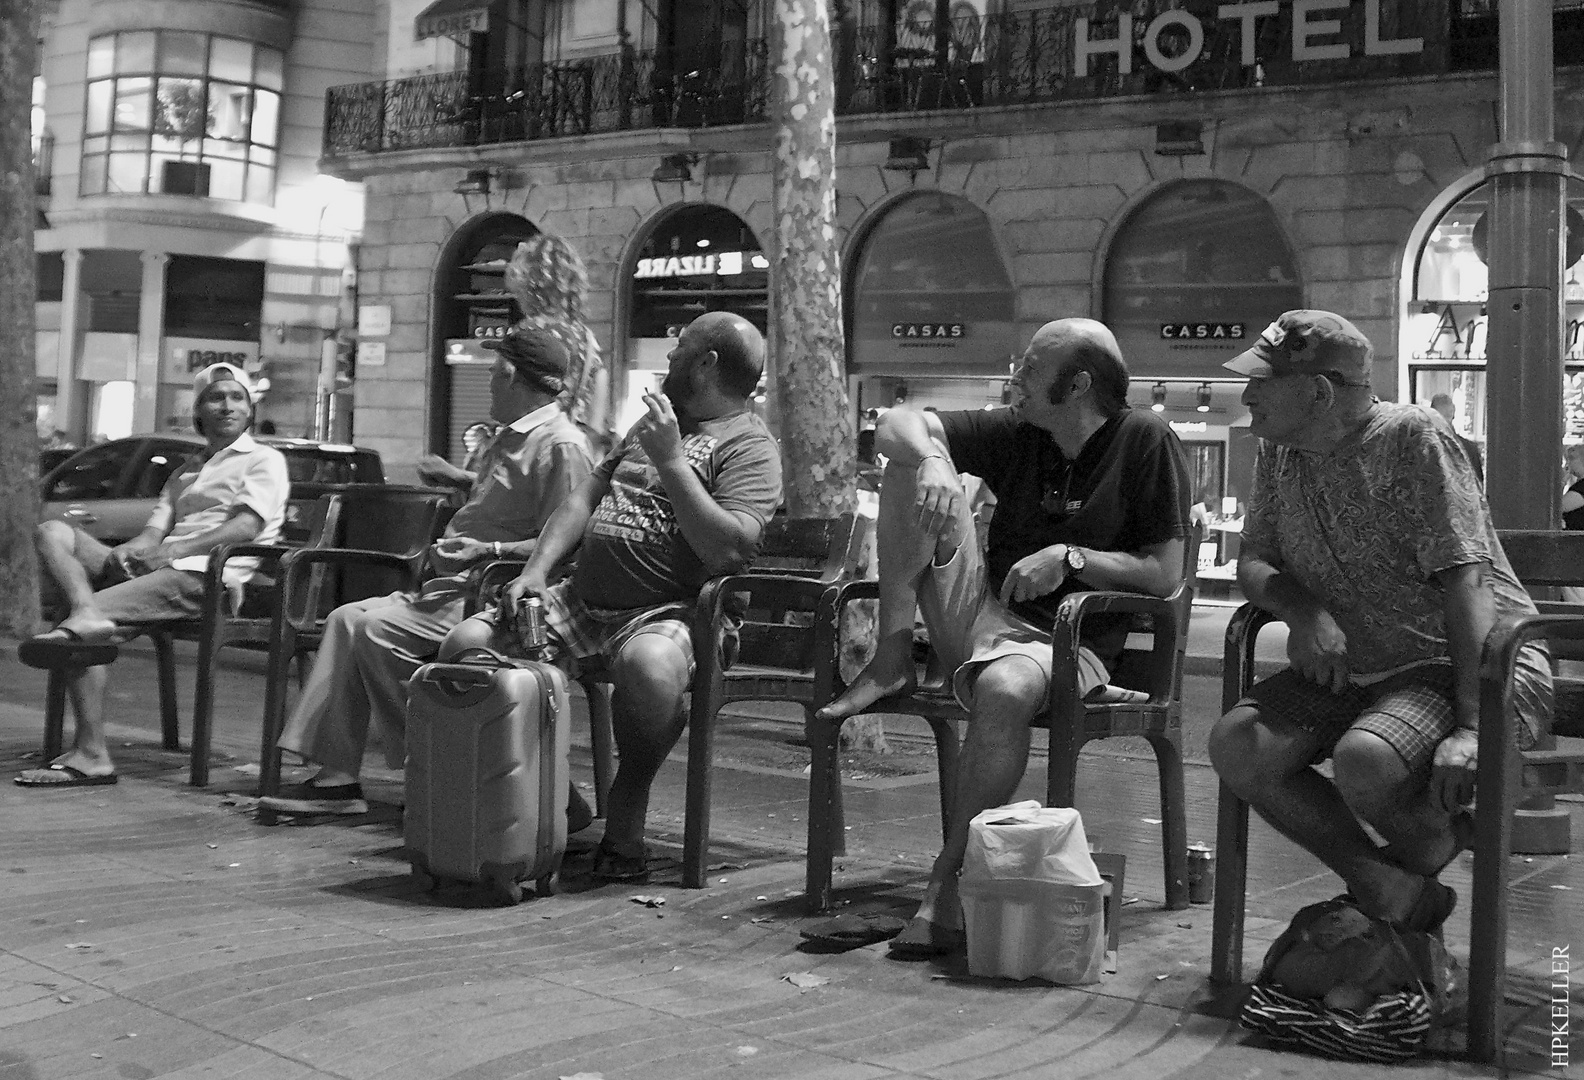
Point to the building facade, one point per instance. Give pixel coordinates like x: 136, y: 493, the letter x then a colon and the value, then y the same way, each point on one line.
x: 183, y: 217
x: 1183, y: 171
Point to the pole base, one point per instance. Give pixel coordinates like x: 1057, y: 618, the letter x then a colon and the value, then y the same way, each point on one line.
x: 1542, y: 832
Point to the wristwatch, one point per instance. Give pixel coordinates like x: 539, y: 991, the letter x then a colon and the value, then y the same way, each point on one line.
x: 1075, y: 559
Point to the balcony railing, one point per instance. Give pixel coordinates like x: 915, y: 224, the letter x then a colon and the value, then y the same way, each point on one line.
x: 611, y: 92
x: 1004, y: 59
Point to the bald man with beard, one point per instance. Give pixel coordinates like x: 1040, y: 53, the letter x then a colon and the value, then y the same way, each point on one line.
x: 1089, y: 495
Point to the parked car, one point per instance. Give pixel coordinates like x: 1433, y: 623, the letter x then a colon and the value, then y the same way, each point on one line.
x: 110, y: 490
x: 52, y: 457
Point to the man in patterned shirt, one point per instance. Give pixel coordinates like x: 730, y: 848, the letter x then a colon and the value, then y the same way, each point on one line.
x: 1368, y: 534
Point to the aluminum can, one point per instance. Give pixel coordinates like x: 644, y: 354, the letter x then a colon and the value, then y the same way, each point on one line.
x: 1201, y: 874
x: 533, y: 633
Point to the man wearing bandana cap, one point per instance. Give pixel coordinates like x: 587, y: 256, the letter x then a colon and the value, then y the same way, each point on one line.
x: 232, y: 492
x: 1368, y: 534
x: 372, y: 647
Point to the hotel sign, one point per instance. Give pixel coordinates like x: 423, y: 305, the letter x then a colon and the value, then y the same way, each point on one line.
x: 913, y: 331
x: 1316, y: 24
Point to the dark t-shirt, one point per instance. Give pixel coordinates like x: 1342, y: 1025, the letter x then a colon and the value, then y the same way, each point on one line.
x: 1127, y: 490
x: 633, y: 553
x: 1574, y: 519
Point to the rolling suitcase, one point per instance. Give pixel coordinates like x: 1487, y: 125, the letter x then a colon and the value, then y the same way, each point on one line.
x: 487, y: 774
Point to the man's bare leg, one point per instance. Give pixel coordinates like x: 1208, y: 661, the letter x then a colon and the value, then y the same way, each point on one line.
x: 1007, y: 695
x: 650, y: 679
x: 59, y: 556
x: 1268, y: 765
x: 1376, y: 783
x: 905, y: 552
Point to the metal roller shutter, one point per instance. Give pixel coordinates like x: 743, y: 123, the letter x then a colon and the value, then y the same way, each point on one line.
x: 470, y: 403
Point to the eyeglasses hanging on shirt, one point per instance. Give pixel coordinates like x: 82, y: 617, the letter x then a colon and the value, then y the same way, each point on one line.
x: 1056, y: 503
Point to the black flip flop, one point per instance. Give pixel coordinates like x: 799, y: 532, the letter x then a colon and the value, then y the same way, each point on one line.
x: 611, y: 866
x: 851, y: 931
x: 924, y: 940
x: 74, y: 778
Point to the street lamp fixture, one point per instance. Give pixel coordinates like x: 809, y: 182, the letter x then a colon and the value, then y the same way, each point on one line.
x: 476, y: 182
x: 677, y: 167
x: 1204, y: 398
x: 1158, y: 397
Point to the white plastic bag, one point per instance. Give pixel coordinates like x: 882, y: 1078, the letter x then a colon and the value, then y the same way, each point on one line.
x: 1033, y: 900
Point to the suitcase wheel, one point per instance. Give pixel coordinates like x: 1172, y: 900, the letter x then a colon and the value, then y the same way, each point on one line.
x: 545, y: 886
x: 424, y: 880
x: 508, y: 892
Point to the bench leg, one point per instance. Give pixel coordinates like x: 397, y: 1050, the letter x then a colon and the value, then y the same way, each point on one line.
x: 824, y: 809
x: 700, y: 759
x: 165, y: 656
x: 601, y: 742
x: 1231, y: 876
x: 54, y: 714
x: 1174, y: 817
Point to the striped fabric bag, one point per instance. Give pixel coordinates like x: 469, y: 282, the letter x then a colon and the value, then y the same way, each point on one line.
x: 1393, y: 1029
x: 1349, y: 987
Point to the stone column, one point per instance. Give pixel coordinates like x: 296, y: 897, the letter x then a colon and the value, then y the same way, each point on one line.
x: 151, y: 341
x: 71, y: 332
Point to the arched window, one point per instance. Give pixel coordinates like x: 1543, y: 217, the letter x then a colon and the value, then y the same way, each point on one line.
x: 1198, y: 267
x: 930, y: 294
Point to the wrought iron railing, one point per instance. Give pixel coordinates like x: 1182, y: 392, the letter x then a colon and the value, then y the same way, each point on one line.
x: 1003, y: 59
x: 694, y: 87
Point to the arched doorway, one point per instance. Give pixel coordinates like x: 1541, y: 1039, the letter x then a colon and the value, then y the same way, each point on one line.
x: 1195, y: 272
x: 696, y: 258
x: 471, y: 305
x: 931, y: 311
x: 1441, y: 336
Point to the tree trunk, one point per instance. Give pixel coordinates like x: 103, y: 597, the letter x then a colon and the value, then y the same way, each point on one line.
x: 806, y: 330
x: 805, y: 305
x: 19, y: 444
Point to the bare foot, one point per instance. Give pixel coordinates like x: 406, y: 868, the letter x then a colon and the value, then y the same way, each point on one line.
x: 87, y: 627
x: 942, y: 905
x: 1431, y: 859
x: 85, y: 763
x: 869, y: 687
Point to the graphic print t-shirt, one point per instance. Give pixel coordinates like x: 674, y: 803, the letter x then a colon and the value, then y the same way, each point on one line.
x: 633, y: 553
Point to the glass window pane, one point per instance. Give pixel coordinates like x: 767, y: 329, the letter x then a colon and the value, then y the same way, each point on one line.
x: 260, y: 184
x: 95, y: 144
x: 180, y: 114
x: 134, y: 141
x: 182, y: 54
x: 92, y: 181
x: 268, y: 63
x: 135, y: 52
x: 157, y: 171
x: 228, y: 111
x: 261, y: 156
x: 101, y: 56
x: 169, y: 144
x: 266, y: 117
x: 98, y: 118
x: 231, y: 60
x: 225, y: 180
x: 128, y: 172
x: 132, y: 104
x: 224, y: 148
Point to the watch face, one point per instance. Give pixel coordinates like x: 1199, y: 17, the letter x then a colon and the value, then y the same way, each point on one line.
x: 1075, y: 559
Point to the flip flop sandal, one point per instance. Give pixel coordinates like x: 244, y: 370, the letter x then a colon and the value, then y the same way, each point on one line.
x: 1433, y: 907
x: 851, y: 931
x: 924, y: 940
x: 73, y: 777
x: 611, y: 866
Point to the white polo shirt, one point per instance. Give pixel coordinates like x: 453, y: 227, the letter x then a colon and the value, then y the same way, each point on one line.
x: 203, y: 495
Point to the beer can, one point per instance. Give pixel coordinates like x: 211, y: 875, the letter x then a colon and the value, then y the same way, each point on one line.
x: 1201, y: 874
x: 533, y: 633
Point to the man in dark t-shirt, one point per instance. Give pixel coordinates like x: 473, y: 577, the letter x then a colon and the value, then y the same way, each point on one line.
x: 1089, y: 495
x: 684, y: 497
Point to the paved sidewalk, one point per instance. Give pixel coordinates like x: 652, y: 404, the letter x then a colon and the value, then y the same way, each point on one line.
x: 154, y: 930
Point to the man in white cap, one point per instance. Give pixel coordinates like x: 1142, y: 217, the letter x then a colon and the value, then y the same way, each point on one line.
x: 233, y: 492
x: 372, y: 647
x: 1368, y: 534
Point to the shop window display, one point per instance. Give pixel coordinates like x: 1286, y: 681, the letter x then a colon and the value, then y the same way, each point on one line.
x: 1443, y: 335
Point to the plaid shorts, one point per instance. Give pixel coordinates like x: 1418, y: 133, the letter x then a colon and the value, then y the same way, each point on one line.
x: 1411, y: 710
x: 586, y: 632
